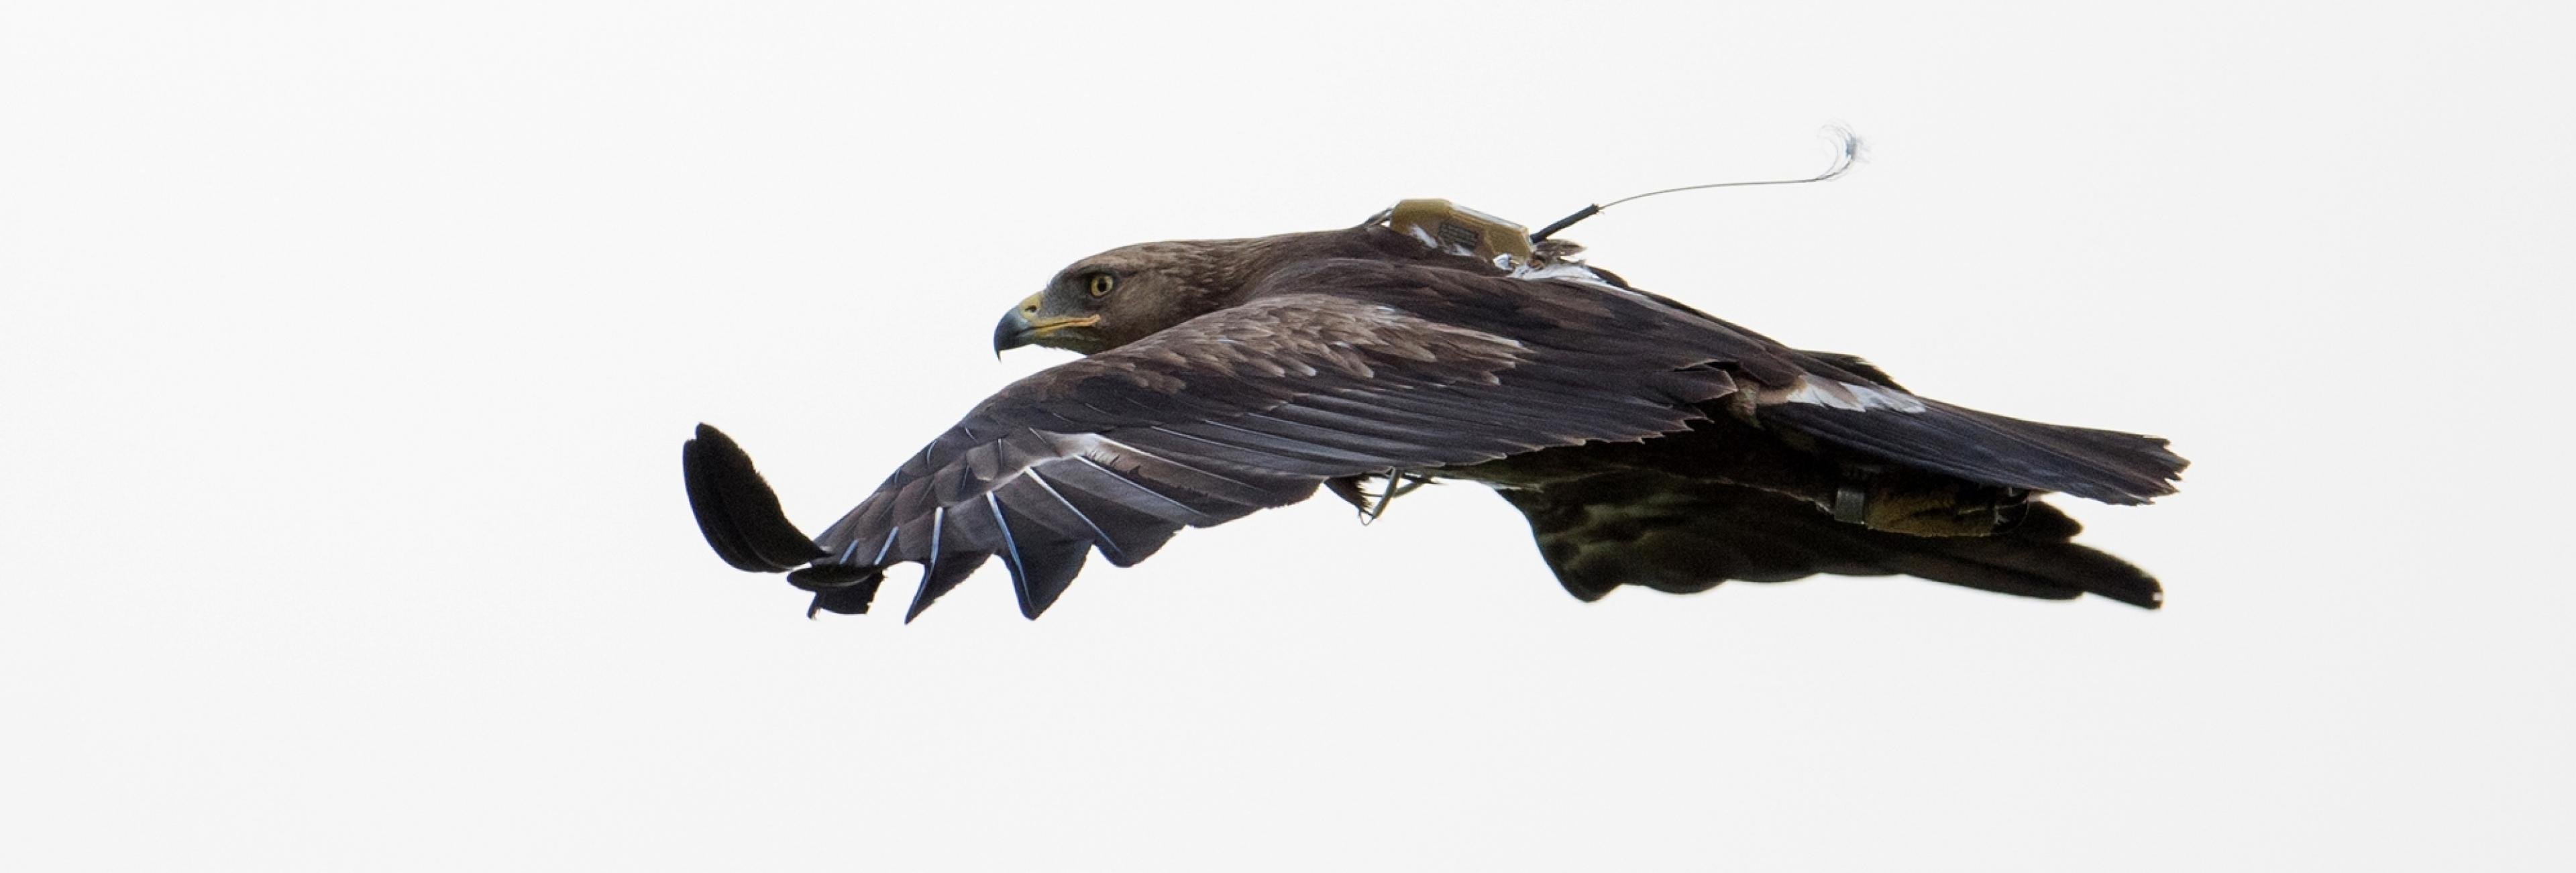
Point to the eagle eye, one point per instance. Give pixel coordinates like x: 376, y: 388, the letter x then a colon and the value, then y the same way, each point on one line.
x: 1101, y: 283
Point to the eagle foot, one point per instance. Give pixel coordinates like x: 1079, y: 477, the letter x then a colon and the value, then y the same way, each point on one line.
x: 1373, y: 506
x: 1928, y: 507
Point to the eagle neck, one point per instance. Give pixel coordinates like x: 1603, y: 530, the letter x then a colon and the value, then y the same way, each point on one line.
x: 1240, y: 270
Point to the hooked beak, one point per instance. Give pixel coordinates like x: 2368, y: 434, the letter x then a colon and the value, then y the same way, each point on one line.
x: 1022, y: 326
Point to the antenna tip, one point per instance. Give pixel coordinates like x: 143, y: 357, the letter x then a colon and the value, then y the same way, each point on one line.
x: 1847, y: 149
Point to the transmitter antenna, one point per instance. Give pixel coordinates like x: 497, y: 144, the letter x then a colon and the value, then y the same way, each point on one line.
x: 1848, y: 150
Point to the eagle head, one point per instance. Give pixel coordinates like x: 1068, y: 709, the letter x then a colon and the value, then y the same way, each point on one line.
x: 1126, y: 294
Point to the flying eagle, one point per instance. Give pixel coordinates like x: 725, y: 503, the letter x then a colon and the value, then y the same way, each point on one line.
x: 1647, y: 442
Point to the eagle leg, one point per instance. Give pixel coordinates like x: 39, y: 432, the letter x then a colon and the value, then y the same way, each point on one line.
x: 1348, y: 489
x: 1373, y: 505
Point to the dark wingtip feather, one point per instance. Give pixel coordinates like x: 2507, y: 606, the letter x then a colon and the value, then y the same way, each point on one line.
x: 2039, y: 552
x: 736, y: 509
x: 944, y: 575
x: 1042, y: 572
x: 838, y: 588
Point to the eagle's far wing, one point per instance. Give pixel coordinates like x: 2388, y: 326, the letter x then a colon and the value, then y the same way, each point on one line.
x: 1243, y: 409
x: 1683, y: 536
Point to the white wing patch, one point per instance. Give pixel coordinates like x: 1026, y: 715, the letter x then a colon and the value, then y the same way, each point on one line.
x: 1572, y: 271
x: 1844, y: 395
x: 1813, y: 392
x: 1424, y: 237
x: 1562, y: 269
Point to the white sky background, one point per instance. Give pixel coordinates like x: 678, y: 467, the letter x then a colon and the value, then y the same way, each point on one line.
x: 346, y: 354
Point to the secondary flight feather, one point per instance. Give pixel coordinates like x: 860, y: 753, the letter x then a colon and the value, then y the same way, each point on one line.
x: 1648, y: 443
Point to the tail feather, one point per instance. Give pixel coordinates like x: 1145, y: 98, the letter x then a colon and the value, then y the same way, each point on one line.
x: 2104, y: 465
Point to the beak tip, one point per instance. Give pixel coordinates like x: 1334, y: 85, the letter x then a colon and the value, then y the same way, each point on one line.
x: 1015, y: 329
x: 1012, y: 333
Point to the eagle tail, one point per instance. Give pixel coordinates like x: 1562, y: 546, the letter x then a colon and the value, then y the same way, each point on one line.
x: 2105, y: 465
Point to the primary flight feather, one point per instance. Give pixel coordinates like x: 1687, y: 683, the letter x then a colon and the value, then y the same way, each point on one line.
x: 1648, y: 443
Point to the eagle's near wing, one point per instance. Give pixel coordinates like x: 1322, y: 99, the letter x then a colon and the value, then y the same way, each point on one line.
x: 1332, y: 369
x: 1243, y: 409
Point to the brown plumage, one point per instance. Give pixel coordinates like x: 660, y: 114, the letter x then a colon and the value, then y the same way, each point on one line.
x: 1648, y: 443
